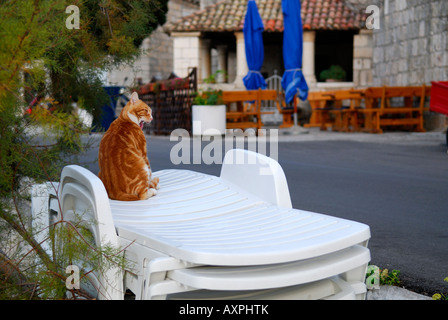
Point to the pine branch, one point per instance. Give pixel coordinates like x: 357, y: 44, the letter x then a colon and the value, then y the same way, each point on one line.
x: 11, y: 273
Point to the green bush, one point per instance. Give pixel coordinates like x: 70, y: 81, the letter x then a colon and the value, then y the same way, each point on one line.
x: 440, y: 296
x: 209, y: 97
x: 334, y: 72
x: 46, y: 69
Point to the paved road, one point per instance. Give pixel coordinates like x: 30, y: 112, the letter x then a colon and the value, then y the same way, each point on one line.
x: 396, y: 183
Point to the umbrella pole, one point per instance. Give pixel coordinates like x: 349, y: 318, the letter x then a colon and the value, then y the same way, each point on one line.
x: 296, y: 129
x: 295, y: 112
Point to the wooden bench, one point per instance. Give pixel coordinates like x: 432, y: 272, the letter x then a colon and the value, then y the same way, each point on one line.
x: 248, y: 104
x: 379, y: 112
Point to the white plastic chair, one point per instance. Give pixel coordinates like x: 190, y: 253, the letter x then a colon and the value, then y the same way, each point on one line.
x: 233, y: 236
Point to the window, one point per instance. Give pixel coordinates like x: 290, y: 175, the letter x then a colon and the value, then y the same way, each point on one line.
x: 334, y: 48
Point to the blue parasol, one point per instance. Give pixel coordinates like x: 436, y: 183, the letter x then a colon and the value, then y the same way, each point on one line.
x: 293, y: 79
x: 253, y: 40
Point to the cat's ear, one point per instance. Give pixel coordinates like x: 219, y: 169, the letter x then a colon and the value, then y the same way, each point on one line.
x: 134, y: 97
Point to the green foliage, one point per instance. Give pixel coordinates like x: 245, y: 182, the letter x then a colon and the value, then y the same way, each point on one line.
x: 73, y: 243
x: 45, y: 70
x: 334, y: 72
x: 36, y: 45
x: 441, y: 296
x: 209, y: 96
x: 389, y: 278
x: 376, y: 276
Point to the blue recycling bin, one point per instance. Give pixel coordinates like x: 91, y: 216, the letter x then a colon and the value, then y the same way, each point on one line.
x: 108, y: 110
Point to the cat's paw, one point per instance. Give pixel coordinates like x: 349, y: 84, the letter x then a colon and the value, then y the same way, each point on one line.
x: 148, y: 194
x: 152, y: 192
x: 154, y: 183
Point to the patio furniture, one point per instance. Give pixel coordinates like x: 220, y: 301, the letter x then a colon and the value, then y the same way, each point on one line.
x: 347, y: 119
x: 379, y: 112
x: 439, y: 99
x: 322, y: 103
x: 246, y: 105
x: 235, y: 236
x: 248, y: 111
x: 282, y: 112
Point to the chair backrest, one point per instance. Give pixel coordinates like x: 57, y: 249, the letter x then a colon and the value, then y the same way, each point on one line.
x: 239, y: 96
x: 80, y: 188
x: 82, y: 196
x: 249, y: 99
x: 270, y: 99
x: 274, y: 83
x: 268, y: 94
x: 411, y: 91
x: 374, y: 92
x: 385, y: 93
x: 257, y: 174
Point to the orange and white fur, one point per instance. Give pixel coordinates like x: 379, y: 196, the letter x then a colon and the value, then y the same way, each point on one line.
x: 122, y: 158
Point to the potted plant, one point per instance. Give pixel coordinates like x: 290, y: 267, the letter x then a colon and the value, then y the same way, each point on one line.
x: 333, y: 74
x: 208, y: 111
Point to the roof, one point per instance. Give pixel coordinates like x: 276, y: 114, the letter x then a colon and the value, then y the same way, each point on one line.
x: 196, y: 2
x: 228, y: 15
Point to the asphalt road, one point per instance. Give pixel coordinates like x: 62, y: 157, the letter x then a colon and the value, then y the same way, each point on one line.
x: 399, y: 189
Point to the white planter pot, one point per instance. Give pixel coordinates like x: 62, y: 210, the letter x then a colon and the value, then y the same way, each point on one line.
x: 208, y: 120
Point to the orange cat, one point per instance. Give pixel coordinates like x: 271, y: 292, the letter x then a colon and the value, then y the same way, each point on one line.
x: 122, y: 158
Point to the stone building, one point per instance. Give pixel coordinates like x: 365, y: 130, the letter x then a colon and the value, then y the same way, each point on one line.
x: 334, y: 33
x: 407, y: 44
x: 410, y: 45
x: 157, y: 58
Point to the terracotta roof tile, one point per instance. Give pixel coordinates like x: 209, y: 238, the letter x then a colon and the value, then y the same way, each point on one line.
x: 228, y: 15
x: 196, y: 2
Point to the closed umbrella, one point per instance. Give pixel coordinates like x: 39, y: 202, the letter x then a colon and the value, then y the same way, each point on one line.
x: 253, y: 40
x: 293, y: 81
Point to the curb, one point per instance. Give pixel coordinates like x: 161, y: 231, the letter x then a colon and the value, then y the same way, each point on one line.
x: 394, y: 293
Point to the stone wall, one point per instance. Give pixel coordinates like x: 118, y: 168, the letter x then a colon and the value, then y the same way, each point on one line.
x: 187, y: 52
x: 156, y: 60
x: 362, y: 59
x: 410, y: 47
